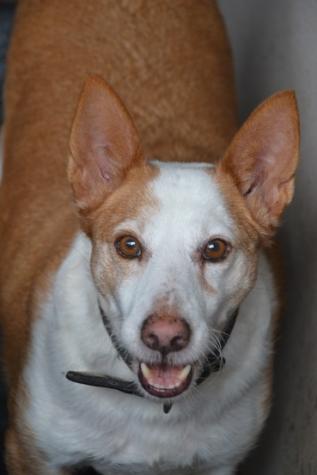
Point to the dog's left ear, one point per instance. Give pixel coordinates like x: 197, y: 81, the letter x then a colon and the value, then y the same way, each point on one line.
x: 104, y: 144
x: 262, y: 159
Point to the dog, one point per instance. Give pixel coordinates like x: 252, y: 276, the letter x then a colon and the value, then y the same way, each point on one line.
x: 139, y: 299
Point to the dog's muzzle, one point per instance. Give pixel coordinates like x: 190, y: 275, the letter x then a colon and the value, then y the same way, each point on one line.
x: 213, y: 363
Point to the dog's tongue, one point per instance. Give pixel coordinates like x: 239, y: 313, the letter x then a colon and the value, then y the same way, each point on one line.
x: 164, y: 380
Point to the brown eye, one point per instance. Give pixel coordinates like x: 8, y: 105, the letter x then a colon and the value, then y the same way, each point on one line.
x: 128, y: 247
x: 215, y: 250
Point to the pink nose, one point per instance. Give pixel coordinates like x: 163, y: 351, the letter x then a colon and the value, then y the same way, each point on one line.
x: 165, y: 333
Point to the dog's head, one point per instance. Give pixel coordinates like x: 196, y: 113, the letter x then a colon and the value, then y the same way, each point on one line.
x: 175, y: 245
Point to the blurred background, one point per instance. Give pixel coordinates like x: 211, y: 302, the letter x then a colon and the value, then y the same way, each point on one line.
x: 274, y: 44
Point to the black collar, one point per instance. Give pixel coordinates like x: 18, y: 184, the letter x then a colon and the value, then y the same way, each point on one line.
x: 214, y: 362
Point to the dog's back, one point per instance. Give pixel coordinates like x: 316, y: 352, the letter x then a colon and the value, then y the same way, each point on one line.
x: 170, y: 62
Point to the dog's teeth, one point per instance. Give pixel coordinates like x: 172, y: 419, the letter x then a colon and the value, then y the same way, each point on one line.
x: 162, y: 380
x: 145, y: 370
x: 185, y: 372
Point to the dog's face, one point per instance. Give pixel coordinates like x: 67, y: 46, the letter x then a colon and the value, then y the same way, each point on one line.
x: 168, y: 258
x: 175, y: 245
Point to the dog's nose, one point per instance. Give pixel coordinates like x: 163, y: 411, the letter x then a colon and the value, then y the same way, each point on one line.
x: 165, y: 334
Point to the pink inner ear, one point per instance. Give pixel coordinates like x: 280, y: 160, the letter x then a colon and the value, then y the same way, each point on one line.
x: 263, y: 156
x: 102, y: 155
x: 270, y: 180
x: 104, y: 144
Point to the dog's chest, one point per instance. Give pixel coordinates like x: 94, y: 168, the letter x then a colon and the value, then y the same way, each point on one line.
x: 74, y: 423
x: 118, y: 431
x: 124, y: 444
x: 150, y: 446
x: 122, y: 432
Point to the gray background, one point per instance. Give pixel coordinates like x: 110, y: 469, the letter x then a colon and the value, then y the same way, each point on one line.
x: 275, y: 47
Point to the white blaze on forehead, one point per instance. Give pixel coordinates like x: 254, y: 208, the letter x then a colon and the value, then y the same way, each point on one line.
x: 189, y: 210
x: 190, y: 203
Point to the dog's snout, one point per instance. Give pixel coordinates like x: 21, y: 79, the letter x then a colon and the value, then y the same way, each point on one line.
x: 165, y: 333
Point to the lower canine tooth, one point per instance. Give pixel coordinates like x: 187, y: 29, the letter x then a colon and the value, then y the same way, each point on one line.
x: 184, y: 373
x: 145, y: 370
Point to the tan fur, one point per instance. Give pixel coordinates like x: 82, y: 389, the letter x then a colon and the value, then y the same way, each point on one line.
x: 21, y: 454
x: 104, y: 144
x: 179, y: 92
x: 171, y: 64
x: 124, y: 204
x: 262, y: 160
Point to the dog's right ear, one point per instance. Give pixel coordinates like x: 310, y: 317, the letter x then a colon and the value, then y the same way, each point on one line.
x: 104, y: 144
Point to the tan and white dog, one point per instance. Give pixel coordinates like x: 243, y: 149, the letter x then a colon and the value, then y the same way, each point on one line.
x: 151, y: 277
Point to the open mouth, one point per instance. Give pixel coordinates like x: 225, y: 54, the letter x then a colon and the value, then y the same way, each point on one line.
x: 164, y: 381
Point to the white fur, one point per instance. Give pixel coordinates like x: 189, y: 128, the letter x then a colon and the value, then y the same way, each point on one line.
x: 211, y: 428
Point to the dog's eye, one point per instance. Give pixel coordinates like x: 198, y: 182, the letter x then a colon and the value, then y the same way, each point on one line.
x: 215, y: 250
x: 128, y: 247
